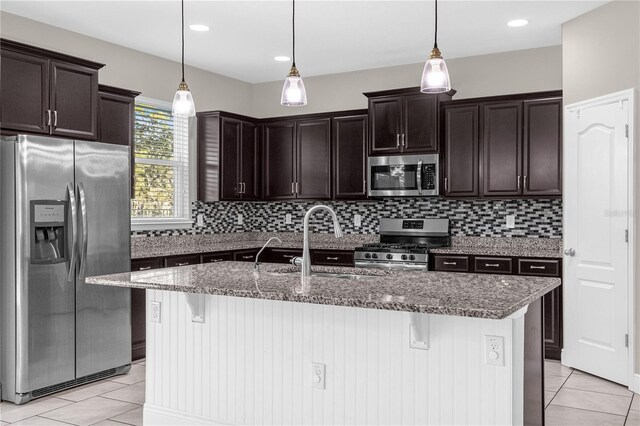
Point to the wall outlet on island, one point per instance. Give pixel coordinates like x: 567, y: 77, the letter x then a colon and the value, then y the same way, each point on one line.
x: 511, y: 221
x: 357, y: 220
x: 287, y: 219
x: 317, y: 375
x: 494, y: 350
x: 155, y: 311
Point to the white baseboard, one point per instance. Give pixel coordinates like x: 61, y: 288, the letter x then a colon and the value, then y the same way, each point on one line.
x: 153, y: 415
x: 636, y: 383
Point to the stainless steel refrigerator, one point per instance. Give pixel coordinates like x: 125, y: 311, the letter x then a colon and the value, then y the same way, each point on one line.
x: 64, y: 215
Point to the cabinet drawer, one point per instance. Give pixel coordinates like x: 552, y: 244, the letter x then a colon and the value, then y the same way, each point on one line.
x: 281, y: 255
x: 451, y: 263
x: 332, y: 258
x: 146, y: 264
x: 547, y: 268
x: 216, y: 257
x: 494, y: 265
x: 245, y: 255
x: 191, y: 259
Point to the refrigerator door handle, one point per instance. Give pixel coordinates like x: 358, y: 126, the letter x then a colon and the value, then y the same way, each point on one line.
x: 85, y: 231
x: 74, y: 230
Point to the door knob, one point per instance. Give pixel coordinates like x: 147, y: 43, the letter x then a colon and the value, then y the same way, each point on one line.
x: 570, y: 252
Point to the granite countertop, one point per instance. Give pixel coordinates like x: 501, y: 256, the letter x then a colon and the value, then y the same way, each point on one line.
x: 443, y: 293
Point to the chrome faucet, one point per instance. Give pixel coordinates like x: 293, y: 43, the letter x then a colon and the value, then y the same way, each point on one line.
x: 256, y: 264
x: 306, y: 256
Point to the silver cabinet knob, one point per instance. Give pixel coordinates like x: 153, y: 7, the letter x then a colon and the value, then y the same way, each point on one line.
x: 570, y: 252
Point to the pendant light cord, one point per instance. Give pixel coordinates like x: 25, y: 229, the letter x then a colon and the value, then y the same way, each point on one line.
x: 293, y: 29
x: 182, y: 1
x: 435, y: 36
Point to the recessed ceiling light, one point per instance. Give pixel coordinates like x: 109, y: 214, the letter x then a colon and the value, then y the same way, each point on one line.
x: 282, y: 58
x: 199, y: 27
x: 517, y: 23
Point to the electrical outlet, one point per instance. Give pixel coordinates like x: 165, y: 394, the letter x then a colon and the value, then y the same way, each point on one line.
x: 494, y: 350
x: 317, y: 375
x: 357, y: 220
x: 511, y: 221
x: 287, y: 219
x: 155, y: 311
x: 200, y: 220
x: 239, y: 219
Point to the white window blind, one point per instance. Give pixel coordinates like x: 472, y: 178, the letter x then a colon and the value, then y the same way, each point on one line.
x: 161, y: 166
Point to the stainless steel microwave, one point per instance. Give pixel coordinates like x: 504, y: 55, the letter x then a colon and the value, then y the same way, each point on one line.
x: 403, y: 176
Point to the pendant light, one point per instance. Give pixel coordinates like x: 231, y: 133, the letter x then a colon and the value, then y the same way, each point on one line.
x: 435, y: 76
x: 183, y: 101
x: 293, y: 91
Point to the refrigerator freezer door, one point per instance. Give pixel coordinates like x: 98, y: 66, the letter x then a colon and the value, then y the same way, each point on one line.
x: 44, y: 296
x: 103, y: 314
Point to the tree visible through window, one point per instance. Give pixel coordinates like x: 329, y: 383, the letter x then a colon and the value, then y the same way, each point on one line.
x: 161, y: 164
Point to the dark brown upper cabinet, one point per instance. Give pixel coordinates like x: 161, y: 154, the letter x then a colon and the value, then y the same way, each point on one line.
x: 504, y: 147
x: 461, y: 151
x: 297, y: 159
x: 349, y: 136
x: 404, y: 121
x: 228, y: 157
x: 116, y: 120
x: 46, y: 92
x: 542, y: 148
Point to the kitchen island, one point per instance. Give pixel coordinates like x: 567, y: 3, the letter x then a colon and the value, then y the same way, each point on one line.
x: 236, y: 346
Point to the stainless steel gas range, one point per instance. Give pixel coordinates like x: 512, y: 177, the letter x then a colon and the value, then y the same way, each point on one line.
x: 404, y: 244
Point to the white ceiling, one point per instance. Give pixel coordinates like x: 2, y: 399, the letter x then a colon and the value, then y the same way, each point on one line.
x: 332, y: 36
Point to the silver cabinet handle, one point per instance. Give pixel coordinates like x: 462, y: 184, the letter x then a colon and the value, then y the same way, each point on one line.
x: 419, y: 176
x: 450, y: 263
x: 538, y: 267
x: 525, y: 182
x: 74, y: 230
x: 293, y: 187
x: 248, y: 257
x: 48, y: 117
x: 215, y: 260
x: 297, y: 190
x: 397, y: 140
x: 182, y: 263
x: 288, y: 256
x: 244, y: 188
x: 85, y: 230
x: 332, y: 258
x: 570, y: 252
x: 55, y: 118
x: 403, y: 141
x: 446, y: 184
x: 519, y: 177
x: 144, y: 268
x: 364, y: 186
x: 492, y: 265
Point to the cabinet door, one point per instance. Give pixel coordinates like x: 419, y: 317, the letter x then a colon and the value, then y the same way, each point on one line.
x: 248, y: 255
x: 332, y: 257
x: 552, y: 306
x: 461, y: 151
x: 313, y: 174
x: 420, y: 124
x: 350, y: 157
x: 384, y: 120
x: 279, y: 160
x: 502, y: 149
x: 543, y: 147
x: 249, y: 161
x: 24, y: 92
x: 230, y: 159
x: 139, y: 308
x: 208, y: 157
x: 74, y: 100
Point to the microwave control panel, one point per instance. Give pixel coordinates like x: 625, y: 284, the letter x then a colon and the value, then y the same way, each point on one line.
x: 429, y: 177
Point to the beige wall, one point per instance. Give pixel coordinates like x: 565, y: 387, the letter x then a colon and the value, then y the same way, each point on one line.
x: 155, y: 77
x: 496, y: 74
x: 601, y: 55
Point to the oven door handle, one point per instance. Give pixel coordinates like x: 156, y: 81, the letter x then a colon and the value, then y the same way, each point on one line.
x: 419, y: 177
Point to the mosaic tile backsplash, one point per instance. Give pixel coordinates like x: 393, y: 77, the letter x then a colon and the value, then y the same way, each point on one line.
x: 476, y: 218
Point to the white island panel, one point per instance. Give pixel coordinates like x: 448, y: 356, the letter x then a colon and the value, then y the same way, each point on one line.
x: 249, y: 362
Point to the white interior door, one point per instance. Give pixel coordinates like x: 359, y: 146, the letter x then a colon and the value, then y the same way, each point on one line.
x: 596, y: 220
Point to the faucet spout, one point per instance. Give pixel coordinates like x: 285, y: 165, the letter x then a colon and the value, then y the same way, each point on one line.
x: 337, y: 230
x: 256, y: 264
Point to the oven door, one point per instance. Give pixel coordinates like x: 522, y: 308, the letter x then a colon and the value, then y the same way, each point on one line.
x: 403, y: 175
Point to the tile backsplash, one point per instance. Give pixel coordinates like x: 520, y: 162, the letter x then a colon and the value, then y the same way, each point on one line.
x: 478, y: 218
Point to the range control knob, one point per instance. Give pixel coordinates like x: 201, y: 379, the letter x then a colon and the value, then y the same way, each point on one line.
x: 412, y: 257
x: 375, y: 256
x: 389, y: 256
x: 367, y: 255
x: 404, y: 257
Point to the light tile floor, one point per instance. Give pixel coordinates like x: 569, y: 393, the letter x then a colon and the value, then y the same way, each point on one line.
x: 572, y: 398
x: 576, y: 398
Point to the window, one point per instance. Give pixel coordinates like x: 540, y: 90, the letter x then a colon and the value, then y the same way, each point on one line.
x: 161, y: 168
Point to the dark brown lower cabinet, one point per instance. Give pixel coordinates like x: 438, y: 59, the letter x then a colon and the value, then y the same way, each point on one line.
x: 216, y: 257
x: 139, y: 309
x: 279, y: 255
x: 332, y: 258
x: 248, y: 255
x: 552, y: 305
x: 184, y: 260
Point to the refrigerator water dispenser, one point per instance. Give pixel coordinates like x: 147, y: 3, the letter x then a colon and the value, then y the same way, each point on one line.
x: 48, y: 231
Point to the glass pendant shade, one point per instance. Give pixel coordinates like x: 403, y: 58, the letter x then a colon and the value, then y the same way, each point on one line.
x: 293, y: 91
x: 183, y: 105
x: 435, y: 76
